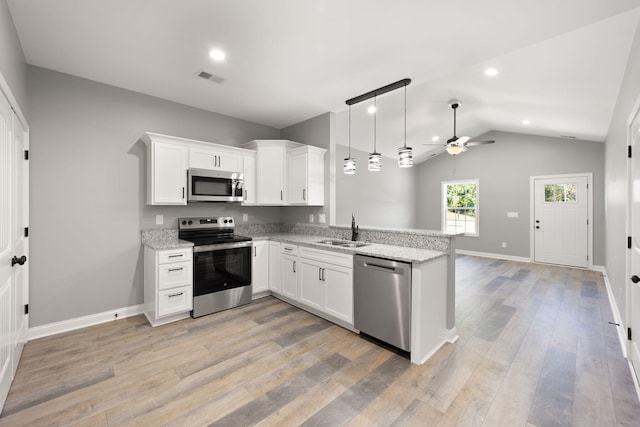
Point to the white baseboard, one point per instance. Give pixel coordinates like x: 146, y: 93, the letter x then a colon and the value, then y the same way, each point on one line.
x: 490, y: 255
x: 616, y: 314
x: 599, y: 268
x: 83, y: 322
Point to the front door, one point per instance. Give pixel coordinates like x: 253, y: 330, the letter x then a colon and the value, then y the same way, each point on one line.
x: 633, y: 317
x: 560, y: 220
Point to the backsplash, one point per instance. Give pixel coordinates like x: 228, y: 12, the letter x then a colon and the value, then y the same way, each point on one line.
x: 421, y: 239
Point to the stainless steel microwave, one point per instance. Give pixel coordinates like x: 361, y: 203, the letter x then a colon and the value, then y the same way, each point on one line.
x: 213, y: 186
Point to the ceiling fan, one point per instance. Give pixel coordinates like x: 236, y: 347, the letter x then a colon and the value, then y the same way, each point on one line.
x: 456, y: 145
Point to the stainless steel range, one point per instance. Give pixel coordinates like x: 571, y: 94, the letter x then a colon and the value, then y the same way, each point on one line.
x: 221, y: 264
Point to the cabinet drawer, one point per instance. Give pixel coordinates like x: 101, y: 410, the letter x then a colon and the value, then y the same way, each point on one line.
x: 172, y: 301
x: 331, y: 257
x: 289, y: 249
x: 175, y: 274
x: 175, y: 255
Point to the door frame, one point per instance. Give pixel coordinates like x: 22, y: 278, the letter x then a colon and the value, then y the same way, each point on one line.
x: 532, y: 180
x: 628, y: 270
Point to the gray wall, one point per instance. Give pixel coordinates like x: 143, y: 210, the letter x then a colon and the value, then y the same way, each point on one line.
x: 88, y: 189
x: 381, y: 199
x: 315, y: 131
x: 504, y: 170
x: 616, y: 179
x: 12, y: 63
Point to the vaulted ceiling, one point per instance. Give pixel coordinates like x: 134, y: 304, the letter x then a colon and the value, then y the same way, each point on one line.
x: 560, y: 63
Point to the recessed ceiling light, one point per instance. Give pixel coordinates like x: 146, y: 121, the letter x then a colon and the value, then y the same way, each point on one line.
x: 526, y: 122
x: 371, y: 109
x: 436, y: 138
x: 491, y: 72
x: 217, y: 55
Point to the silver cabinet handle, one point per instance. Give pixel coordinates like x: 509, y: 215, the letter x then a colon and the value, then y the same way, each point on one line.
x: 281, y: 195
x: 176, y: 256
x: 304, y: 194
x: 294, y: 266
x: 176, y: 269
x: 324, y: 271
x: 319, y: 274
x: 183, y: 192
x: 176, y: 295
x: 255, y: 252
x: 245, y: 195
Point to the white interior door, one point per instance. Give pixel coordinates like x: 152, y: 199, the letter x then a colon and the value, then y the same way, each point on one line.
x: 13, y: 244
x: 561, y: 212
x: 633, y: 305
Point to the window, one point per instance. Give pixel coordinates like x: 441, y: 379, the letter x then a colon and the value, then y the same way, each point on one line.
x: 560, y: 193
x: 460, y: 207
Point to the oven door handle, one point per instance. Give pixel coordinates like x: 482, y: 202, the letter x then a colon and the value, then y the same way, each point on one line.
x: 222, y: 246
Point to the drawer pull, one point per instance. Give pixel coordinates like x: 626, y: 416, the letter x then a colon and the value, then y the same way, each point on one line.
x: 176, y: 256
x: 176, y: 269
x: 176, y: 295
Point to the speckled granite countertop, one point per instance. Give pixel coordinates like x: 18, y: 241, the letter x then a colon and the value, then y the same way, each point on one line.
x: 167, y: 243
x: 398, y: 253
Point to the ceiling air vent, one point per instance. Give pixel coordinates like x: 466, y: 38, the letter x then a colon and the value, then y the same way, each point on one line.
x: 208, y: 76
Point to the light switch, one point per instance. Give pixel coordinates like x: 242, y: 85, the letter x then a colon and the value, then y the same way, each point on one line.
x: 245, y: 217
x: 159, y: 219
x: 310, y: 217
x: 322, y: 218
x: 512, y: 215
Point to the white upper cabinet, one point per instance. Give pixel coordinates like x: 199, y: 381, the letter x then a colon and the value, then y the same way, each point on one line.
x: 305, y: 167
x: 288, y: 173
x: 166, y: 173
x: 249, y: 182
x: 215, y: 159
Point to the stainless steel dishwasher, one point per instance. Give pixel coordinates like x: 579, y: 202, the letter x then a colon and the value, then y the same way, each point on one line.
x: 382, y: 299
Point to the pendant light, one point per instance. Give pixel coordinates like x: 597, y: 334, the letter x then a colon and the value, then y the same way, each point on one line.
x: 349, y: 163
x: 405, y: 154
x: 375, y: 158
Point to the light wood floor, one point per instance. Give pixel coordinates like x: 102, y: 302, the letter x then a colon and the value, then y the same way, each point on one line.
x: 535, y: 349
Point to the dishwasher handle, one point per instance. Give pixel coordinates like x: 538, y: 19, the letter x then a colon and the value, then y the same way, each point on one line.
x: 384, y: 267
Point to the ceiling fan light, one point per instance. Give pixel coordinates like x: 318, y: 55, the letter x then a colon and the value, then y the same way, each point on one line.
x: 375, y: 162
x: 349, y: 166
x: 405, y: 157
x: 455, y: 149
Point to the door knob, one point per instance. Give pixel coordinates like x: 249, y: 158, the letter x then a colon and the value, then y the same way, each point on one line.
x: 537, y: 221
x: 15, y: 260
x: 635, y: 279
x: 537, y: 226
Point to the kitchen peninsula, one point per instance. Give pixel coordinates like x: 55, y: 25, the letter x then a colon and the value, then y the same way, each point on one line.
x: 306, y: 270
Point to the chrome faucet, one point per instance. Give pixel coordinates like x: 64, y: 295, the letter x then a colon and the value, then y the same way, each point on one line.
x: 354, y: 229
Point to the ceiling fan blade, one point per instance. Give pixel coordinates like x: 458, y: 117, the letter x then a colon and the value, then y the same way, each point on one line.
x: 462, y: 140
x: 472, y: 143
x: 433, y: 154
x: 436, y: 145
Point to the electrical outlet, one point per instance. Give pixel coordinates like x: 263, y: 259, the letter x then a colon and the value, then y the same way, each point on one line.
x: 310, y: 217
x: 322, y: 218
x: 245, y: 217
x: 504, y: 244
x: 159, y: 219
x: 512, y: 215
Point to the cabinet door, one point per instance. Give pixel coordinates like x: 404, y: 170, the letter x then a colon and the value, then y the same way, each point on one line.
x: 260, y: 265
x: 168, y: 174
x: 230, y: 162
x: 249, y: 183
x: 338, y: 283
x: 311, y: 289
x: 275, y: 280
x: 214, y: 159
x: 289, y: 277
x: 297, y: 191
x: 270, y: 175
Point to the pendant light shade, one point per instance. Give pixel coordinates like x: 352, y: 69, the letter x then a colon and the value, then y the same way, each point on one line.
x: 405, y: 154
x: 375, y: 158
x: 455, y: 149
x: 349, y: 167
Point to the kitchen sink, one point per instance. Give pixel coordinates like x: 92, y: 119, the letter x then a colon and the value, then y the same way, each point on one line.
x: 343, y: 243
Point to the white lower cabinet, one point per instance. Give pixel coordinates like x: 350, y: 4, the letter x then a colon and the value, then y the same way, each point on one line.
x: 275, y: 281
x: 326, y: 282
x: 168, y: 284
x: 260, y: 267
x: 288, y: 272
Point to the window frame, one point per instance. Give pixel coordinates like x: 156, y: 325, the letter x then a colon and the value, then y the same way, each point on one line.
x: 444, y: 206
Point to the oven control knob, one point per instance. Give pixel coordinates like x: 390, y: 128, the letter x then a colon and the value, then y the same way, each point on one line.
x: 190, y: 222
x: 184, y: 222
x: 226, y: 221
x: 230, y: 220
